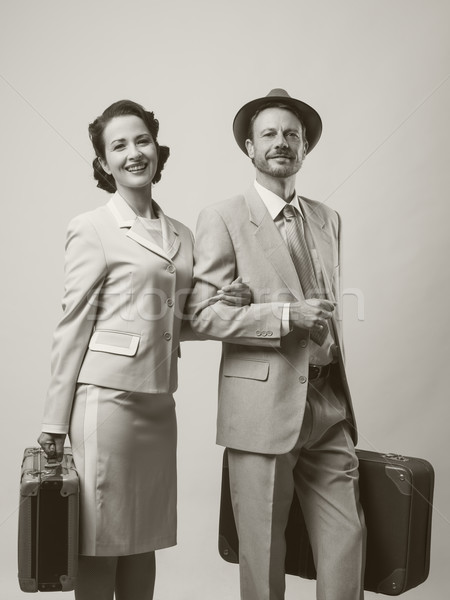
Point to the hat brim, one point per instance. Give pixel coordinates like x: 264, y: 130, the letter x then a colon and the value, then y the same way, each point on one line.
x: 310, y: 118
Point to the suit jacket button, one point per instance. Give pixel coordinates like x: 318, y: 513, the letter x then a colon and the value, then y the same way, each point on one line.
x: 303, y: 343
x: 302, y: 379
x: 170, y: 268
x: 167, y: 336
x: 169, y: 302
x: 258, y: 333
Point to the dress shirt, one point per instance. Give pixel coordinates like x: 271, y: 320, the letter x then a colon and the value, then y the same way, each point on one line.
x: 318, y: 355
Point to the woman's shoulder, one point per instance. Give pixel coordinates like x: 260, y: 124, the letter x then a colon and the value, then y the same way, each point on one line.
x: 178, y: 224
x: 180, y: 227
x: 89, y: 219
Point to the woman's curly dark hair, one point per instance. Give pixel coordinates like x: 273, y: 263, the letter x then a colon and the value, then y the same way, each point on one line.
x: 96, y: 129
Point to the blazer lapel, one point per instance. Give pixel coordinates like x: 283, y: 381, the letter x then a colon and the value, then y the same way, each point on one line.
x: 139, y: 234
x: 127, y: 219
x: 322, y: 242
x: 274, y: 248
x: 171, y: 240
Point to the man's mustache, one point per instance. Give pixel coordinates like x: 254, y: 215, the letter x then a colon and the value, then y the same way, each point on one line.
x: 281, y: 155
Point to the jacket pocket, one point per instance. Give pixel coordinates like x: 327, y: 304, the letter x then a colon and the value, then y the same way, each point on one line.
x: 114, y: 342
x: 246, y: 368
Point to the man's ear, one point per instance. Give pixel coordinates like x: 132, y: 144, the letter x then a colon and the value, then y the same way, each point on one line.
x: 104, y: 165
x: 249, y: 148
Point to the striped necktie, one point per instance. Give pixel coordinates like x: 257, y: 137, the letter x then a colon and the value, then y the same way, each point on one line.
x: 301, y: 258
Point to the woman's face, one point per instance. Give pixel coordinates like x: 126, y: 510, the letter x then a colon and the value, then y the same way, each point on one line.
x: 131, y: 156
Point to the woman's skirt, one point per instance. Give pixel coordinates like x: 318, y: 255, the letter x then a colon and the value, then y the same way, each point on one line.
x: 124, y: 448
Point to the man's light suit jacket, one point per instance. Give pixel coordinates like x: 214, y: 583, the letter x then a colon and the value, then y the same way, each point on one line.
x: 263, y: 377
x: 123, y: 306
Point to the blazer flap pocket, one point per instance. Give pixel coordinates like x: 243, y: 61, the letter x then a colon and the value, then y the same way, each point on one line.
x: 246, y: 368
x: 114, y: 342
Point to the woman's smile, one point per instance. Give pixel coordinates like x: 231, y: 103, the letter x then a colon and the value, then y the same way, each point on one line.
x: 136, y: 168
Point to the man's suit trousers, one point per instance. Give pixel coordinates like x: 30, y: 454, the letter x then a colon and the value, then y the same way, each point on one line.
x: 322, y: 469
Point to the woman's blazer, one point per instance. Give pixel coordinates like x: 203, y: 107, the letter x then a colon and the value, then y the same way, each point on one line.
x: 123, y: 306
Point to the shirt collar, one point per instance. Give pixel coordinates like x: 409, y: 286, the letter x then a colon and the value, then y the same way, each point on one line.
x: 274, y: 203
x: 126, y: 217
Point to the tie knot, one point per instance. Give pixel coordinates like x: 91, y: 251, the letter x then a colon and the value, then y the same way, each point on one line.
x: 289, y: 212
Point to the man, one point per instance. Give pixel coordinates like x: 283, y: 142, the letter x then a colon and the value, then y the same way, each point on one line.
x: 285, y: 411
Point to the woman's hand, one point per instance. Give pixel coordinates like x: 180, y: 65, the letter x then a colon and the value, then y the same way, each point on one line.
x: 52, y: 444
x: 236, y: 294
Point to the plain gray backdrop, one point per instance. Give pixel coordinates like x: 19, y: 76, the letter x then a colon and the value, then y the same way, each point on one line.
x: 378, y: 73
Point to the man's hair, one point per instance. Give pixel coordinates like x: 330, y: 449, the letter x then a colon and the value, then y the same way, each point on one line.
x: 276, y: 104
x: 96, y: 129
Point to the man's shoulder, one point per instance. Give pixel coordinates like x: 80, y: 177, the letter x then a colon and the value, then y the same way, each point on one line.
x: 319, y: 208
x: 229, y: 208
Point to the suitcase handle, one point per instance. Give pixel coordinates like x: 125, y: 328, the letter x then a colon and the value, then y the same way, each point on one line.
x: 393, y: 456
x: 53, y: 467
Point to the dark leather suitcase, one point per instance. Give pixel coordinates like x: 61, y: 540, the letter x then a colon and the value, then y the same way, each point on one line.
x: 48, y: 523
x: 396, y: 495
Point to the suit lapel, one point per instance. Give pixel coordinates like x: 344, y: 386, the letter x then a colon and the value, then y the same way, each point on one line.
x: 128, y: 221
x: 139, y: 234
x: 171, y: 240
x: 322, y: 242
x: 272, y: 244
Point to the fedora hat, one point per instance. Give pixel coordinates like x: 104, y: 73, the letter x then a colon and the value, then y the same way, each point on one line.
x: 309, y: 117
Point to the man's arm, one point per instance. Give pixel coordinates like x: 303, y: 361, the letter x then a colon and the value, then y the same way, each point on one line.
x: 257, y: 324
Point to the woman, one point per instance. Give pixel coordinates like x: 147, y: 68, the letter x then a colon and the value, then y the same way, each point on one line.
x: 128, y: 272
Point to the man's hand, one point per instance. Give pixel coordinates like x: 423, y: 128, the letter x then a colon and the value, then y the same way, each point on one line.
x: 311, y: 314
x: 236, y: 294
x: 52, y: 444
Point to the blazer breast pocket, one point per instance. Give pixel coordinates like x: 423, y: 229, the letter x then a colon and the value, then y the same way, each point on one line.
x: 246, y: 368
x: 114, y: 342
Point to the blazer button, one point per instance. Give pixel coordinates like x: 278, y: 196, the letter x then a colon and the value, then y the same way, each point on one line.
x: 302, y: 379
x: 167, y: 336
x: 303, y: 343
x: 169, y: 302
x: 170, y: 268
